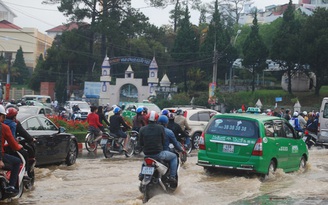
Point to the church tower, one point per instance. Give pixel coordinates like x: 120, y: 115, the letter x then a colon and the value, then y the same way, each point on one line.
x: 153, y: 76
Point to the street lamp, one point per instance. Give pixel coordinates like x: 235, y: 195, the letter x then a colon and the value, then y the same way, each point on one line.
x: 234, y: 43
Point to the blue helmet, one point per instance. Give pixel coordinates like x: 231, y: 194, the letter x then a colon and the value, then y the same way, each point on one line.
x: 165, y: 112
x: 139, y: 109
x: 163, y: 119
x: 116, y: 110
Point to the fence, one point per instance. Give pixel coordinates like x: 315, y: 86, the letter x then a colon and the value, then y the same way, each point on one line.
x: 17, y: 94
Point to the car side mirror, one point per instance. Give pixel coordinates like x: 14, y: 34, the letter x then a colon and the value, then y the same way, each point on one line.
x: 62, y: 129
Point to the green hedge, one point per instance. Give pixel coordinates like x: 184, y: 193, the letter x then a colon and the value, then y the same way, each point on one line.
x: 80, y: 136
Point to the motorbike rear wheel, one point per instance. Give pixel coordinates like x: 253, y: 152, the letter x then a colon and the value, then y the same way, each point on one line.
x: 130, y: 149
x: 90, y: 143
x: 106, y: 150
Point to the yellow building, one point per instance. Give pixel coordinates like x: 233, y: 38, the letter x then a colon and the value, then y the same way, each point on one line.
x: 31, y: 40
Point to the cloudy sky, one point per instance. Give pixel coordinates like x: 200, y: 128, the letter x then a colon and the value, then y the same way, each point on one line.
x: 31, y: 13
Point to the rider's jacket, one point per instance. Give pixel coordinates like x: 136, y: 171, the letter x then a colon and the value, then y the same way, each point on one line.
x: 151, y: 138
x: 170, y: 138
x: 115, y: 122
x: 178, y: 132
x: 138, y: 121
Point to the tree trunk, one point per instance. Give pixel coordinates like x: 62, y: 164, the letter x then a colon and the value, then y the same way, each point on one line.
x: 289, y: 75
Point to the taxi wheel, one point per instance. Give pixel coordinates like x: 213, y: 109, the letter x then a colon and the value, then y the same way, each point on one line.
x: 302, y: 164
x: 271, y: 169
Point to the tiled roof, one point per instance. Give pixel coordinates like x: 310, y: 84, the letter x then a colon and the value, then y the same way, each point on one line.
x: 67, y: 27
x: 7, y: 25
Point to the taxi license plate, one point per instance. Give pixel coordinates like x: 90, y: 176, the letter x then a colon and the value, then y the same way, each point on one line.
x: 228, y: 148
x: 103, y: 141
x: 147, y: 170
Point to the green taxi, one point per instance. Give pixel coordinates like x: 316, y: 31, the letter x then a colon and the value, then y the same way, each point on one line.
x: 253, y: 143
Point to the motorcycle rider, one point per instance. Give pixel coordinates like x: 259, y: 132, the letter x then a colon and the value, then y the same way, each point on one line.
x: 182, y: 121
x: 138, y: 120
x: 75, y: 109
x: 152, y: 139
x: 169, y: 135
x: 7, y: 159
x: 18, y: 130
x: 116, y: 121
x: 178, y: 132
x: 102, y: 118
x: 295, y: 122
x: 94, y: 124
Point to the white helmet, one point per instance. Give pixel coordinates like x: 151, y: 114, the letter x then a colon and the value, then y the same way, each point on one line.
x: 304, y: 113
x: 2, y: 110
x: 295, y: 114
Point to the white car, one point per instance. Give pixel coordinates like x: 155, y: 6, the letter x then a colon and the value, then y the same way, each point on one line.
x: 197, y: 118
x: 84, y: 107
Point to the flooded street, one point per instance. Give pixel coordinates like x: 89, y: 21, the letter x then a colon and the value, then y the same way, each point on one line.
x: 96, y: 180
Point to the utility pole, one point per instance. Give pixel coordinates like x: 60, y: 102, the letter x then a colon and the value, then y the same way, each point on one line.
x: 230, y: 74
x: 215, y: 61
x: 8, y: 56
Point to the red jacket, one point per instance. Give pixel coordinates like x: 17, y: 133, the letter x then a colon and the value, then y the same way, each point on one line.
x: 7, y: 136
x: 93, y: 120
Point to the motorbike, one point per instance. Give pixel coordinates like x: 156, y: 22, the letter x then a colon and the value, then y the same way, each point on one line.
x: 91, y: 143
x: 135, y: 139
x: 182, y: 140
x: 4, y: 181
x: 77, y: 115
x: 310, y: 138
x: 154, y: 177
x: 182, y: 155
x: 112, y: 144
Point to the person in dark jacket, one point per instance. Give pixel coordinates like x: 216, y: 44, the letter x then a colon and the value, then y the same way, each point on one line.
x: 138, y: 120
x: 152, y: 139
x: 178, y: 132
x: 169, y: 135
x: 102, y: 118
x: 116, y: 121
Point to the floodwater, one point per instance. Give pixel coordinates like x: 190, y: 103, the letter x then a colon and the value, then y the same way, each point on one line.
x: 96, y: 180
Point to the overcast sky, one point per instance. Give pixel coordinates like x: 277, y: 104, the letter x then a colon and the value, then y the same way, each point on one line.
x: 31, y: 13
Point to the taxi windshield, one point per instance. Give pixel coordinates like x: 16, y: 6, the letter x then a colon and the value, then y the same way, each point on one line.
x: 233, y: 127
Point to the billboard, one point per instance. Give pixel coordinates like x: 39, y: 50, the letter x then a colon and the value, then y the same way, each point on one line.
x: 92, y: 89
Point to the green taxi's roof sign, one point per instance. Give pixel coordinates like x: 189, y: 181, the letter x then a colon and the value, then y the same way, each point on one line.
x: 253, y: 110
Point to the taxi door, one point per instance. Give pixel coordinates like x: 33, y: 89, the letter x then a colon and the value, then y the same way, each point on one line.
x: 282, y: 144
x: 294, y: 153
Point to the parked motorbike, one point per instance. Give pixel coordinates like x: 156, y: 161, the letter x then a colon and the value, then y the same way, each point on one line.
x: 4, y: 181
x: 113, y: 144
x: 310, y: 138
x: 154, y: 177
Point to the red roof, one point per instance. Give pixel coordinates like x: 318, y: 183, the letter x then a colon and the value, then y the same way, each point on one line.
x: 67, y: 27
x: 8, y: 25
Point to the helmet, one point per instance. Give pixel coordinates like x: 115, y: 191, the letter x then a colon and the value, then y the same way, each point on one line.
x: 139, y: 110
x: 114, y: 106
x: 116, y: 110
x: 152, y: 116
x: 2, y: 110
x: 11, y: 112
x: 212, y: 114
x: 179, y: 111
x: 163, y: 120
x: 171, y: 116
x: 305, y: 113
x: 295, y: 114
x: 165, y: 112
x: 9, y: 105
